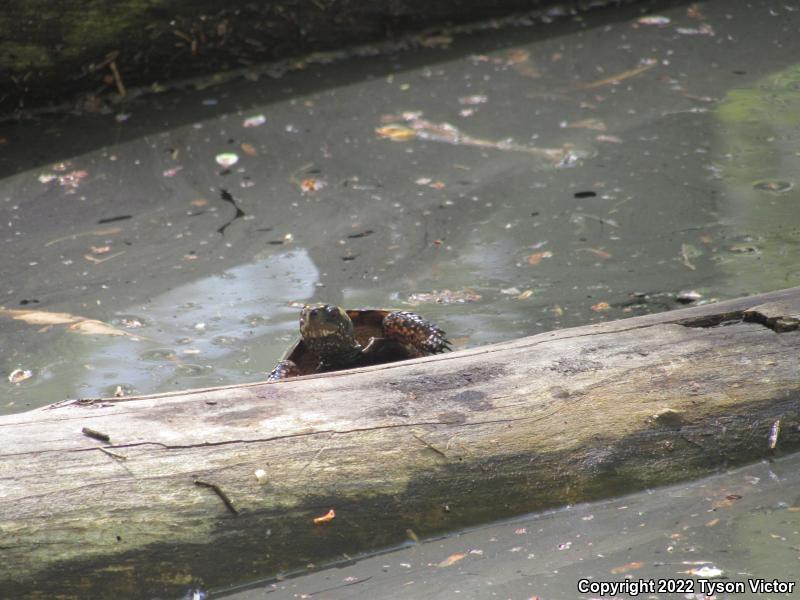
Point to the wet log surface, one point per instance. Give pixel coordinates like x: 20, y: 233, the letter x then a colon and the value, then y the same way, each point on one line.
x: 51, y: 52
x: 428, y: 445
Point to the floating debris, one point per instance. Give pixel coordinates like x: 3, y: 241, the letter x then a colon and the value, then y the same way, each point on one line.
x: 326, y: 518
x: 600, y: 306
x: 417, y: 127
x: 249, y: 149
x: 773, y: 185
x: 227, y: 159
x: 473, y: 100
x: 593, y: 124
x: 451, y: 560
x: 706, y: 571
x: 172, y: 172
x: 537, y: 257
x: 688, y: 296
x: 631, y: 566
x: 254, y: 121
x: 17, y: 376
x: 76, y: 323
x: 688, y: 252
x: 704, y: 29
x: 620, y: 77
x: 657, y: 20
x: 444, y: 297
x: 312, y: 184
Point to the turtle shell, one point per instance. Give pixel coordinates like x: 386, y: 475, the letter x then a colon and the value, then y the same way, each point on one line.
x: 367, y: 323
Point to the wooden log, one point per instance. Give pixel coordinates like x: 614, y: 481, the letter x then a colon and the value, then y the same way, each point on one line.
x: 427, y: 445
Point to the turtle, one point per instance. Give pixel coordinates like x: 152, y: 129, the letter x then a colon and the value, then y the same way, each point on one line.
x: 332, y: 338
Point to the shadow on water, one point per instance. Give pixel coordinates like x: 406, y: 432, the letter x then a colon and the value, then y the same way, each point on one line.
x: 741, y: 525
x: 47, y: 138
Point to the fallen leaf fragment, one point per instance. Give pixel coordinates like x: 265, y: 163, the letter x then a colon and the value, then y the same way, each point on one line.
x: 327, y: 517
x: 445, y: 297
x: 593, y: 124
x: 451, y: 560
x: 610, y: 139
x: 249, y: 149
x: 706, y: 572
x: 601, y: 306
x: 597, y: 252
x: 536, y: 257
x: 312, y: 184
x: 100, y: 249
x: 227, y: 159
x: 626, y: 568
x: 17, y: 376
x: 525, y: 295
x: 97, y: 261
x: 473, y: 100
x: 396, y: 133
x: 76, y: 323
x: 712, y: 522
x: 254, y: 121
x: 656, y: 20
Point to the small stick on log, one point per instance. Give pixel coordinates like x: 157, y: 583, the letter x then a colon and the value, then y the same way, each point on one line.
x: 218, y: 491
x: 97, y: 435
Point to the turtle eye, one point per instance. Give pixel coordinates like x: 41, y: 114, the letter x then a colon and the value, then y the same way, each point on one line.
x: 332, y: 310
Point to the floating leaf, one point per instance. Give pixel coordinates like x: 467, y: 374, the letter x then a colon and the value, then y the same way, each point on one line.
x: 657, y: 20
x: 451, y: 560
x: 249, y: 149
x: 396, y: 133
x: 311, y: 184
x: 78, y: 324
x: 626, y: 568
x: 326, y: 518
x: 227, y: 159
x: 17, y: 376
x: 254, y: 121
x: 601, y: 306
x: 536, y: 257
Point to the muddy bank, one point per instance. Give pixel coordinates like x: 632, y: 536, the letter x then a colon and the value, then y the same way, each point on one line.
x: 101, y: 49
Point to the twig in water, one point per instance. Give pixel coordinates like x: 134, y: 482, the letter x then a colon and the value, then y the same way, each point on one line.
x: 117, y: 79
x: 218, y: 491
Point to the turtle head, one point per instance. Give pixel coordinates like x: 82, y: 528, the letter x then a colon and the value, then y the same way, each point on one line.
x: 327, y: 330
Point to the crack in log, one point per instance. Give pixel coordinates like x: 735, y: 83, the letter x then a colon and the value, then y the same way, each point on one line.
x: 779, y: 324
x: 331, y: 432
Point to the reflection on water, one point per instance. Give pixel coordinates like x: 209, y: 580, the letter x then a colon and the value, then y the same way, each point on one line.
x: 220, y: 329
x: 733, y: 527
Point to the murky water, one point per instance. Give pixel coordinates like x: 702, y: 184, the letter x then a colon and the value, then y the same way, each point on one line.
x: 403, y: 179
x: 740, y: 526
x: 686, y: 183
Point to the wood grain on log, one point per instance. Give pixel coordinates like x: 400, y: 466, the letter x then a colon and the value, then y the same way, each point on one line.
x: 428, y: 445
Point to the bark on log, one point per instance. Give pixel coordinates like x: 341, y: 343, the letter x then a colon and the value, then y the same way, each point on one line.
x: 428, y: 445
x: 49, y: 51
